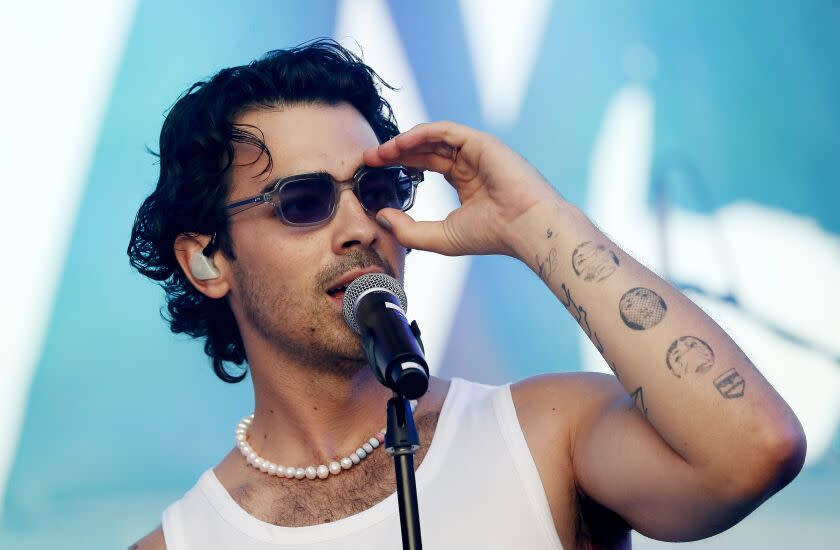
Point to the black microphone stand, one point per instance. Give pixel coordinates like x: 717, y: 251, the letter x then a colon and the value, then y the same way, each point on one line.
x: 401, y: 442
x: 401, y: 439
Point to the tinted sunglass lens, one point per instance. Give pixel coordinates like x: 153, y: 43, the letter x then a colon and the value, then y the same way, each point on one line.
x: 307, y: 200
x: 385, y: 188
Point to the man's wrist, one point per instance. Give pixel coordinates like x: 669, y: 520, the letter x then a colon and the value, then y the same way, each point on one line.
x: 551, y: 224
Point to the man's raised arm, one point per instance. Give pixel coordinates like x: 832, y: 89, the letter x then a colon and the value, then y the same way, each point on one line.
x: 722, y: 439
x: 697, y: 438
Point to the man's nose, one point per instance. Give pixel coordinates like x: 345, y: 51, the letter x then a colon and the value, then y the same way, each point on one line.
x: 354, y: 226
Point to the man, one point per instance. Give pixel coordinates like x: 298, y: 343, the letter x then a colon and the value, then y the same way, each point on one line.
x: 284, y: 180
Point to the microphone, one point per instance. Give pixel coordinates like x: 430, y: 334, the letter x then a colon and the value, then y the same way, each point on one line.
x: 374, y: 307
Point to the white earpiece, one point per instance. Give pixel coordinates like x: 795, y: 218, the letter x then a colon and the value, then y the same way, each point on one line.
x: 203, y: 267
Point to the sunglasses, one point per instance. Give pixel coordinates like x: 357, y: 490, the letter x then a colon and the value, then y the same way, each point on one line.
x: 311, y: 199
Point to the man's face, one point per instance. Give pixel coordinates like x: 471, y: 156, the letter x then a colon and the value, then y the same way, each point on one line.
x: 281, y: 273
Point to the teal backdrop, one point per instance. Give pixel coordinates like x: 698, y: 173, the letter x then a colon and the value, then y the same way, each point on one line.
x: 119, y: 417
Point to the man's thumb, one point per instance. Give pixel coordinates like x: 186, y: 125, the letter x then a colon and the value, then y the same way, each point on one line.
x: 413, y: 234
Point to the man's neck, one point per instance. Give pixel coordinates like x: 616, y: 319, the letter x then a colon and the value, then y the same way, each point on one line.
x: 305, y: 414
x: 305, y: 418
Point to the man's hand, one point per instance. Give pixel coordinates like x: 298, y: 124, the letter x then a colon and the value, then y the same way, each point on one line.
x: 495, y: 186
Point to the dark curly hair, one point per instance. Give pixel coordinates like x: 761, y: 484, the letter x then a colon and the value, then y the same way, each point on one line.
x: 196, y: 151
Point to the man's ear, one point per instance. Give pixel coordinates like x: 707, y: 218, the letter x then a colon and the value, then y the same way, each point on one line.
x: 203, y: 265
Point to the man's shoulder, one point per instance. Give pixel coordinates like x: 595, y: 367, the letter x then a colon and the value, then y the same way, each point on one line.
x: 567, y: 390
x: 551, y: 406
x: 152, y: 541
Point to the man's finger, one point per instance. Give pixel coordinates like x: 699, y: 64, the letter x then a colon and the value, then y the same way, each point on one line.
x: 442, y: 138
x: 423, y: 161
x: 452, y: 134
x: 416, y: 235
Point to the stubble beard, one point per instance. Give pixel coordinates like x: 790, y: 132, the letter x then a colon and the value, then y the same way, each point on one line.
x: 304, y: 327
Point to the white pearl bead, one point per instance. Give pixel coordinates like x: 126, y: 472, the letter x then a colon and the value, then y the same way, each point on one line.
x: 322, y: 471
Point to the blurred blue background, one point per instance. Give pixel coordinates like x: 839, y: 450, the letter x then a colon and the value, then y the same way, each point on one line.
x: 699, y: 136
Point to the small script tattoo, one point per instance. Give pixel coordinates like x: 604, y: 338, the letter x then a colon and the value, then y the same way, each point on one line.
x: 548, y: 233
x: 548, y: 265
x: 641, y: 308
x: 580, y: 315
x: 730, y: 384
x: 689, y: 355
x: 594, y: 262
x: 638, y: 396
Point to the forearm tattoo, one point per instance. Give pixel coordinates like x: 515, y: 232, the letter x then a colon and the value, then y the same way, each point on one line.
x: 641, y: 308
x: 638, y: 397
x: 580, y: 315
x: 730, y: 384
x: 594, y: 262
x: 689, y: 355
x: 547, y: 265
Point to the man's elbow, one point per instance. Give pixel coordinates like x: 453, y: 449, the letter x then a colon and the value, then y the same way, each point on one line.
x: 777, y: 460
x: 788, y: 450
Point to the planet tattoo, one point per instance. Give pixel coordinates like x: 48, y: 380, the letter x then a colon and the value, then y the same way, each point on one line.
x: 641, y: 308
x: 689, y: 354
x: 593, y: 262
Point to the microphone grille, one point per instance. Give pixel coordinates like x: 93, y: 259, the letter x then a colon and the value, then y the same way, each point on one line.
x: 372, y: 282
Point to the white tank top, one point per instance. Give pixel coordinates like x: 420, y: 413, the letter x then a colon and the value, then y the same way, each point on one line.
x: 477, y: 487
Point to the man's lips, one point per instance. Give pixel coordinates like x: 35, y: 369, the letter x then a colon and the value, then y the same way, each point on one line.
x: 335, y: 291
x: 340, y: 284
x: 337, y: 299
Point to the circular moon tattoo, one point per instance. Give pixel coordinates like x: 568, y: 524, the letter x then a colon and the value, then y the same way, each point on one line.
x: 641, y: 308
x: 688, y: 354
x: 593, y: 262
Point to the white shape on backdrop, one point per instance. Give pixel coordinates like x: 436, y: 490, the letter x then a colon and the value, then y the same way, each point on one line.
x: 433, y: 282
x: 503, y: 38
x: 767, y: 249
x: 60, y: 61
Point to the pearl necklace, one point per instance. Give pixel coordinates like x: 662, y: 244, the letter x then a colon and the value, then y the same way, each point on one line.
x: 310, y: 472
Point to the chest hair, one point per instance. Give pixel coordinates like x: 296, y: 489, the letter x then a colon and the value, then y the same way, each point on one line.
x: 298, y: 503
